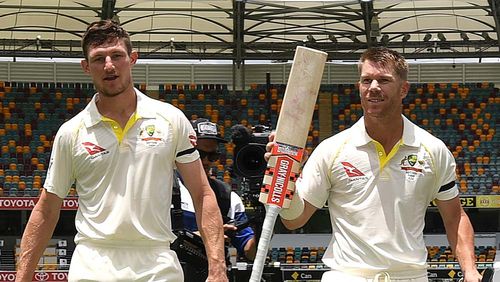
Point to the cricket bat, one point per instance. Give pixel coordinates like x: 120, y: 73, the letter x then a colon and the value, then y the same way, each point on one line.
x: 293, y: 125
x: 488, y: 275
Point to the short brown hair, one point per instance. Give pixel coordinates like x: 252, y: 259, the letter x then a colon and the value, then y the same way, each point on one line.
x: 103, y: 31
x: 386, y: 58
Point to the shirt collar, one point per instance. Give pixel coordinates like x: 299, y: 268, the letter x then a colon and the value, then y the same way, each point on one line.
x: 143, y: 110
x: 361, y: 137
x: 410, y: 136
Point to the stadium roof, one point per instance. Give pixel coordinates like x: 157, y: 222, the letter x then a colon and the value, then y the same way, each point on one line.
x: 241, y: 30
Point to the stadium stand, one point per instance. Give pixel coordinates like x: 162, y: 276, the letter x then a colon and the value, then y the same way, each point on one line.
x: 463, y: 115
x: 6, y: 257
x: 314, y: 254
x: 56, y: 256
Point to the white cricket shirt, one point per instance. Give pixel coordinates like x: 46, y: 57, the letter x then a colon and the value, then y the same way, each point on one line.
x: 377, y: 203
x: 124, y: 187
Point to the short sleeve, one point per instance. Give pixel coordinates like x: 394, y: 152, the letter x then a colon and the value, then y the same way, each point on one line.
x: 446, y: 176
x: 60, y: 175
x: 186, y: 139
x: 314, y: 184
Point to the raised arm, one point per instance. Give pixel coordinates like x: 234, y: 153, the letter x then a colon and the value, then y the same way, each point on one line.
x: 300, y: 211
x: 38, y: 232
x: 208, y: 217
x: 460, y: 236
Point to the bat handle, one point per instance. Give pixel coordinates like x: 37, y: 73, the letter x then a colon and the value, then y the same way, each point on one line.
x: 265, y: 239
x: 488, y: 275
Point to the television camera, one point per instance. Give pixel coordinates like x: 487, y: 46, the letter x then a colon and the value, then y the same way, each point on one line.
x: 249, y: 164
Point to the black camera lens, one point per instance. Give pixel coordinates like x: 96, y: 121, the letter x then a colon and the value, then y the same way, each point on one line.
x: 250, y: 162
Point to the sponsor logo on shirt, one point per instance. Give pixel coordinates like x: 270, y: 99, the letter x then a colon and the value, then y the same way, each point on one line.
x: 94, y: 150
x: 351, y: 170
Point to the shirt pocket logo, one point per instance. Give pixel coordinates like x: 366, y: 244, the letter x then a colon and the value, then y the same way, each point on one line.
x: 150, y: 135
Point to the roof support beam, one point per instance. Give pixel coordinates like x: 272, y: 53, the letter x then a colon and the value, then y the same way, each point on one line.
x: 368, y: 18
x: 108, y: 9
x: 238, y: 30
x: 495, y: 13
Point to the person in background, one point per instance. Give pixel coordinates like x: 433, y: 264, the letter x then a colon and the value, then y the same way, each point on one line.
x: 230, y: 203
x: 378, y: 178
x: 121, y: 151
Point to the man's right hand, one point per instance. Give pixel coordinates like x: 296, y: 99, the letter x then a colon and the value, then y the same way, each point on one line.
x: 270, y: 145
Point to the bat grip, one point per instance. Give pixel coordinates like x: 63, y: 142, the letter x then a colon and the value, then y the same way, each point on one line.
x: 488, y: 275
x: 265, y: 239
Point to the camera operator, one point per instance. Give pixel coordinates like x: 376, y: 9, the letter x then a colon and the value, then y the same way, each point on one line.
x: 230, y: 204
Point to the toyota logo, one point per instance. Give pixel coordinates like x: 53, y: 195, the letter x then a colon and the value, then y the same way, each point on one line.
x: 41, y: 276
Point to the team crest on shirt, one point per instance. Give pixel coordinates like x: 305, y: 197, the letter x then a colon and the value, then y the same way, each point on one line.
x: 150, y: 129
x: 412, y: 166
x: 150, y: 135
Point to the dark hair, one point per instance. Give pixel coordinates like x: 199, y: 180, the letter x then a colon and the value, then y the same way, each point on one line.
x: 103, y: 31
x: 386, y: 58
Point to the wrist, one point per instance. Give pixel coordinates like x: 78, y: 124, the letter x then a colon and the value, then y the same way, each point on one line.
x: 217, y: 267
x: 295, y: 210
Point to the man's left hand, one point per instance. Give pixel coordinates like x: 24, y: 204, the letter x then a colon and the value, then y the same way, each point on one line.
x: 472, y: 276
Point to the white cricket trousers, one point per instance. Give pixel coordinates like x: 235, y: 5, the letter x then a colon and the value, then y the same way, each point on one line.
x: 339, y: 276
x: 115, y: 262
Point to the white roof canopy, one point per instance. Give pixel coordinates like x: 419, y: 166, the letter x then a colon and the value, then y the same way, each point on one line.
x: 248, y: 30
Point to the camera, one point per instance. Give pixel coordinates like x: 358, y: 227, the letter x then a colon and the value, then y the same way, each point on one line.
x: 249, y: 166
x: 250, y: 147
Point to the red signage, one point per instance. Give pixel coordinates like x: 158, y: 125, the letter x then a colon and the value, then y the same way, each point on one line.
x: 28, y: 203
x: 47, y: 276
x: 279, y: 183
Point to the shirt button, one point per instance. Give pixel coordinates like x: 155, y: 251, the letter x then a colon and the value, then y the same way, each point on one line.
x: 380, y: 154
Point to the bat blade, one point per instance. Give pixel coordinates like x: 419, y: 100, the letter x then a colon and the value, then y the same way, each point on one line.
x: 291, y: 135
x: 293, y: 125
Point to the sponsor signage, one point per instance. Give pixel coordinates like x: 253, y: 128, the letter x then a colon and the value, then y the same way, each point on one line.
x: 303, y: 275
x: 28, y: 203
x: 479, y: 201
x: 291, y: 273
x: 47, y: 276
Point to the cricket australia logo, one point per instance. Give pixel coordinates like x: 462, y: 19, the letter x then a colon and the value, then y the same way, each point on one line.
x: 412, y: 166
x: 411, y: 163
x: 94, y: 150
x: 150, y: 135
x: 150, y: 130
